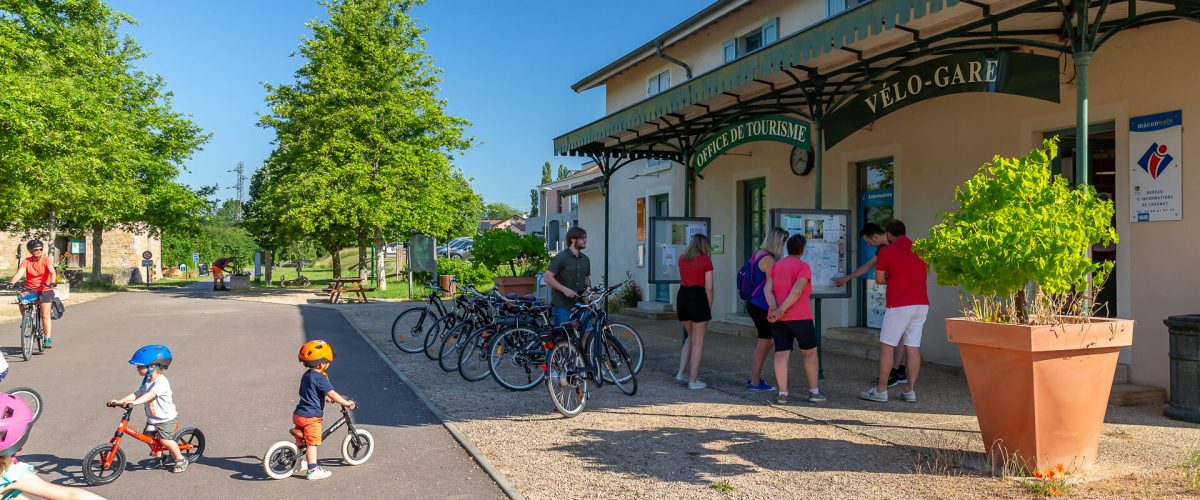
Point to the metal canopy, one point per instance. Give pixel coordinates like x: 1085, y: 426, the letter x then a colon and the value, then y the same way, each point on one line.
x: 817, y: 70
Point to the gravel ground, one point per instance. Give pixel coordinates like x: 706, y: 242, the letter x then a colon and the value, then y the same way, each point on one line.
x: 671, y: 442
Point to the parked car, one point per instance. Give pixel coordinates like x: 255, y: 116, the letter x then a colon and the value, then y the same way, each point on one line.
x: 462, y: 252
x: 443, y: 249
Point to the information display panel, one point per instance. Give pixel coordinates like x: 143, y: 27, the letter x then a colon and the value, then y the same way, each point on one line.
x: 828, y: 248
x: 669, y: 237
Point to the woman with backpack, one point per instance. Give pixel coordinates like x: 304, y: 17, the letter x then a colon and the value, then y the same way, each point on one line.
x: 751, y: 279
x: 694, y: 306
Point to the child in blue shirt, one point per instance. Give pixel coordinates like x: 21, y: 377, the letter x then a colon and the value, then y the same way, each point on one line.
x: 315, y: 390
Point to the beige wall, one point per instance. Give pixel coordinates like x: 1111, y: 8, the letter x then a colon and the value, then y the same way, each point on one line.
x: 703, y: 50
x: 938, y: 144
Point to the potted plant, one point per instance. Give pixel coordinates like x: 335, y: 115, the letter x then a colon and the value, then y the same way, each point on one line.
x: 1039, y: 363
x: 502, y: 251
x: 239, y: 276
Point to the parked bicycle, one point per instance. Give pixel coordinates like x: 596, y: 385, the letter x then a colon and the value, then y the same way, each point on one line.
x: 472, y: 348
x: 411, y: 326
x: 585, y: 359
x: 281, y: 458
x: 31, y: 398
x: 105, y: 463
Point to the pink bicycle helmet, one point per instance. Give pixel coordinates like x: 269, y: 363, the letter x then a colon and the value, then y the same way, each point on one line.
x: 15, y: 421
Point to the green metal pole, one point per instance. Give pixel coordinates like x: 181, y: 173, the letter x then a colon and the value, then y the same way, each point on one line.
x: 817, y: 146
x: 607, y: 240
x: 1082, y: 61
x: 687, y: 190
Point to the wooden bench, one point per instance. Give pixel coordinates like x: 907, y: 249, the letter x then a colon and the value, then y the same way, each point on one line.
x: 352, y: 287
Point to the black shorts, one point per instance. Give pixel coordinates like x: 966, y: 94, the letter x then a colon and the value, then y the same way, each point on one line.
x: 759, y: 316
x: 46, y: 296
x: 800, y: 332
x: 691, y: 304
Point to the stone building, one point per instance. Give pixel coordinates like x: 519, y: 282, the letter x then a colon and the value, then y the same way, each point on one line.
x: 119, y: 249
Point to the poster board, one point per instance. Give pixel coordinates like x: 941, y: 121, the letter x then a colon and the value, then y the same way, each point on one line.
x: 668, y: 239
x: 421, y: 255
x: 828, y: 249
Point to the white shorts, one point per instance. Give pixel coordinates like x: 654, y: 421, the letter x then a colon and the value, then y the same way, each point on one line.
x: 903, y: 323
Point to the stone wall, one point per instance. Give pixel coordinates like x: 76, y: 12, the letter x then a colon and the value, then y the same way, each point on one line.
x: 121, y: 249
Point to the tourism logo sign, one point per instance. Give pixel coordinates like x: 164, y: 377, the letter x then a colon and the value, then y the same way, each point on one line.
x: 1156, y: 167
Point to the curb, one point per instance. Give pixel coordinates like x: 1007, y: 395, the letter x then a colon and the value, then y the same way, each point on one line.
x: 467, y: 445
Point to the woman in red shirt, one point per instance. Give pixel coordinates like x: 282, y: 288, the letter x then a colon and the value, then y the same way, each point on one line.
x: 39, y: 277
x: 694, y: 306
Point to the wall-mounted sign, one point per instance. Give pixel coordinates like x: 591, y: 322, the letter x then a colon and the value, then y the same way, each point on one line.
x: 669, y: 237
x: 1016, y: 73
x: 641, y: 219
x: 774, y: 128
x: 1156, y: 167
x: 828, y: 248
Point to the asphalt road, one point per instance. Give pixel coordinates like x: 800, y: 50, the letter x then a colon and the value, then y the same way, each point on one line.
x: 235, y: 376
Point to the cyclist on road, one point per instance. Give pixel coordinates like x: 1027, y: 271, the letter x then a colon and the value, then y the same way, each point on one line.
x: 39, y: 277
x: 218, y: 272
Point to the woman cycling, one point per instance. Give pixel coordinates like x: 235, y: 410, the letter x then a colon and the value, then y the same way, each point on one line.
x: 39, y: 277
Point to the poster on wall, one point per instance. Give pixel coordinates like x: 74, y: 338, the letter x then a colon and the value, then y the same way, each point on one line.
x: 828, y: 249
x: 1156, y: 167
x: 876, y: 303
x: 669, y: 237
x: 641, y: 219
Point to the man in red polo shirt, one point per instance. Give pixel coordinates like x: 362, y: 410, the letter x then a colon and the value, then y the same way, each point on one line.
x: 907, y: 299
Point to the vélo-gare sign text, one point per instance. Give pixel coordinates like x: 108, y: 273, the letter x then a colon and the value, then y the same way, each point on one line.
x: 944, y: 76
x: 775, y: 128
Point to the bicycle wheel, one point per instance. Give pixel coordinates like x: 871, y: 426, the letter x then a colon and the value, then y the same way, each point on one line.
x: 435, y: 335
x: 31, y: 398
x: 473, y: 356
x: 407, y: 329
x: 94, y: 471
x: 191, y: 444
x: 357, y: 447
x: 631, y: 340
x: 26, y: 337
x: 280, y: 460
x: 616, y: 367
x: 515, y: 358
x: 448, y: 351
x: 568, y: 389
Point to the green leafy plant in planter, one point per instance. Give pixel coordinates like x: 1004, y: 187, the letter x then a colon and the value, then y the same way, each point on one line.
x: 1018, y: 242
x: 1039, y: 364
x: 503, y: 250
x: 466, y: 272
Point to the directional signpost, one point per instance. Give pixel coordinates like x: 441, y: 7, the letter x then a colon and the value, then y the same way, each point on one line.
x: 148, y: 263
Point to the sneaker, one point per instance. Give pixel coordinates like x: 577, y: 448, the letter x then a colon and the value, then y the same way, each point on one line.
x: 816, y: 397
x: 680, y: 379
x: 762, y: 385
x: 301, y: 468
x: 180, y: 465
x: 898, y: 377
x: 781, y: 398
x: 318, y: 473
x: 698, y: 384
x: 872, y: 395
x: 910, y: 397
x: 46, y: 343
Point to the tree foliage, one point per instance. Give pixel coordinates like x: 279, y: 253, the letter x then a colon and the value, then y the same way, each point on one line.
x: 1017, y: 224
x: 500, y: 248
x: 546, y: 175
x: 362, y: 140
x: 563, y: 172
x: 498, y: 210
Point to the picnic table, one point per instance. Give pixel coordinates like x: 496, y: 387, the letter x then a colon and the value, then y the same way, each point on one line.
x: 350, y: 286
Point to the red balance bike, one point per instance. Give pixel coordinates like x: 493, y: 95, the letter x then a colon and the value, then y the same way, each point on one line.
x: 105, y: 463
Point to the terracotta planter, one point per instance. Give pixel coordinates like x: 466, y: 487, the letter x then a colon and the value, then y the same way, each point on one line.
x: 1040, y: 392
x: 520, y: 285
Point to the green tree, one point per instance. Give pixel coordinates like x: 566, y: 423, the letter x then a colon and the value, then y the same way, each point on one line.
x: 546, y: 178
x: 563, y: 171
x: 363, y: 141
x: 533, y: 203
x: 498, y: 210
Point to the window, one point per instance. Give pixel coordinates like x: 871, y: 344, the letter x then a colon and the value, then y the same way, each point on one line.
x: 837, y: 6
x: 752, y: 41
x: 658, y: 83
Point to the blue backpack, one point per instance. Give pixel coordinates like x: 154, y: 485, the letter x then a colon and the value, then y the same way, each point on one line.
x: 745, y: 278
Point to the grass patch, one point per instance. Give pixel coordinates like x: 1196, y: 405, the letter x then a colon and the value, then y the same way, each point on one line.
x: 97, y: 286
x: 1191, y: 469
x: 722, y: 486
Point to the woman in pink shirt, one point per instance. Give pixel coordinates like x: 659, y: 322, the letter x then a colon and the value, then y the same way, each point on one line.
x: 788, y: 289
x: 694, y: 306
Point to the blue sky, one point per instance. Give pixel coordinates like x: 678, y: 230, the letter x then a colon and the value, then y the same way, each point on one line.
x: 508, y: 68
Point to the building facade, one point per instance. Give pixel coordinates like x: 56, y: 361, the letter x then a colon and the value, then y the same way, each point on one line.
x: 558, y: 206
x: 906, y: 163
x: 120, y: 249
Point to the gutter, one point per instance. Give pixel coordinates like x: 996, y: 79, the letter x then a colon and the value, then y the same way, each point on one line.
x: 658, y: 51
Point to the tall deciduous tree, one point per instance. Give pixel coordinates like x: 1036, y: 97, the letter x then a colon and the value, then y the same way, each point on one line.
x: 563, y: 172
x: 364, y: 143
x: 546, y: 175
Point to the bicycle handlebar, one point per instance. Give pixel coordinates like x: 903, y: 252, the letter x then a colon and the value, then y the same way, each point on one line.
x: 126, y: 406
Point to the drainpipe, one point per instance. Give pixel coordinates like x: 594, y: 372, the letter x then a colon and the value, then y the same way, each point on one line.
x: 687, y: 70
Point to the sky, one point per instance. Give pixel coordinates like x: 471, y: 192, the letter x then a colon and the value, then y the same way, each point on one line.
x: 507, y: 67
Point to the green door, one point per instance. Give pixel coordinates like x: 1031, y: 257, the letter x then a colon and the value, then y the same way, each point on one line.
x: 662, y: 208
x: 754, y: 215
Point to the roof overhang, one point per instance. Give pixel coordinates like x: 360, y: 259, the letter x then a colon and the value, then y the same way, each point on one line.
x: 590, y: 185
x: 823, y: 66
x: 709, y: 15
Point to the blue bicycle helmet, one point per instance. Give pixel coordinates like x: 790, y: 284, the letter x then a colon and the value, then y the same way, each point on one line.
x: 154, y: 354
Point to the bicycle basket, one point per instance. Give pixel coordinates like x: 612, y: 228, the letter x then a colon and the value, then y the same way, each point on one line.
x: 26, y: 298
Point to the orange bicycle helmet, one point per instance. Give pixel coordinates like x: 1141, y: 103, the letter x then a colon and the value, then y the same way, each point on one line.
x: 315, y: 352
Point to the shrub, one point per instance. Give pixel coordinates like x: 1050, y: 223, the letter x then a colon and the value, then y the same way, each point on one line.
x: 1019, y: 224
x: 466, y: 272
x: 498, y: 249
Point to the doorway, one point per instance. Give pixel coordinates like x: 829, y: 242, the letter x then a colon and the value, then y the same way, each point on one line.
x: 662, y: 208
x: 754, y: 215
x: 1102, y: 175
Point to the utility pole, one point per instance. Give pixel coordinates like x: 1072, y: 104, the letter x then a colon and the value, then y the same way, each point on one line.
x: 241, y: 186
